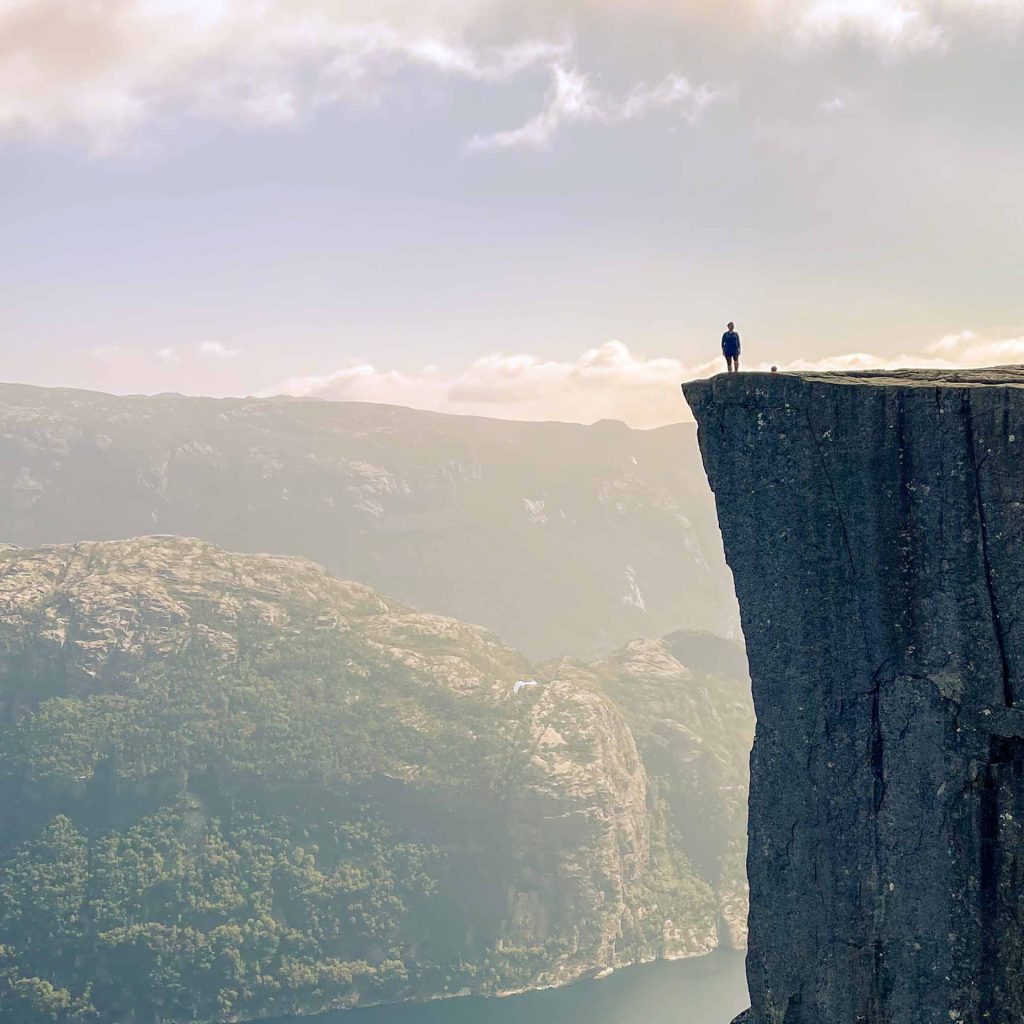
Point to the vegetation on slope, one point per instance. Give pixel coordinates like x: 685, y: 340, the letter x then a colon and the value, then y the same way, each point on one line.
x: 233, y: 786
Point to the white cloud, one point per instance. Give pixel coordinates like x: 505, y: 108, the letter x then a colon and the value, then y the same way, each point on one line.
x: 104, y: 353
x: 167, y: 355
x: 108, y: 69
x: 604, y: 382
x: 967, y: 348
x: 607, y: 382
x: 963, y: 350
x: 572, y: 99
x: 894, y: 25
x: 839, y: 103
x: 674, y: 92
x: 218, y: 350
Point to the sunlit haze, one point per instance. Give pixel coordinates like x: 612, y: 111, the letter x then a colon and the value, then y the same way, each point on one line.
x: 520, y: 210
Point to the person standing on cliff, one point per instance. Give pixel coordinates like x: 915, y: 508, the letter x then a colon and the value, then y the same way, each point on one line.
x: 731, y: 349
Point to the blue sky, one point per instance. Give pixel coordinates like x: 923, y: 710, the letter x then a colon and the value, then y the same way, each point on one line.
x: 532, y: 210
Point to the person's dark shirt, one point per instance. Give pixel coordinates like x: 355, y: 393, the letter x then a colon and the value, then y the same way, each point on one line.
x: 730, y: 343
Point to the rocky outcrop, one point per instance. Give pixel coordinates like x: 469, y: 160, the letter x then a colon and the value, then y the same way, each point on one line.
x: 687, y: 701
x: 874, y: 524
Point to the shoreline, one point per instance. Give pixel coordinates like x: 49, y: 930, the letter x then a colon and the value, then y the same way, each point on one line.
x: 603, y: 975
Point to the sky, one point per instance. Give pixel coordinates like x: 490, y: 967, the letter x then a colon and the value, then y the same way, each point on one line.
x: 530, y: 209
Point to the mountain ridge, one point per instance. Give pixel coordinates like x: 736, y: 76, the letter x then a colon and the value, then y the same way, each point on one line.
x: 565, y: 538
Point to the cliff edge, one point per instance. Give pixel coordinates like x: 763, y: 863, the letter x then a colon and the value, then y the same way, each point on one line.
x: 874, y: 523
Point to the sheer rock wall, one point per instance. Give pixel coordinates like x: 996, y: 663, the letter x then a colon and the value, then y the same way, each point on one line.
x: 874, y: 525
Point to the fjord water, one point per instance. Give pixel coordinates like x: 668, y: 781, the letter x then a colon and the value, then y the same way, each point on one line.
x: 707, y: 990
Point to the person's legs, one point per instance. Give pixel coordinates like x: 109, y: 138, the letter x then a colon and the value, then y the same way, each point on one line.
x: 735, y: 364
x: 728, y: 364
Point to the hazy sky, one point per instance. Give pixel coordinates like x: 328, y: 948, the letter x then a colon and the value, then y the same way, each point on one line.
x: 515, y: 207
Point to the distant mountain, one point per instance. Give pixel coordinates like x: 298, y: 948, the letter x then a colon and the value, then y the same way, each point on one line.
x: 564, y: 539
x: 232, y: 785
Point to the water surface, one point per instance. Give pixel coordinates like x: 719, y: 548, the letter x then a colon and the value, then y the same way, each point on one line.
x: 709, y: 990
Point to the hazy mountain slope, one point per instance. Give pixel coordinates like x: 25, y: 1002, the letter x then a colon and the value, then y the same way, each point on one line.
x: 233, y: 785
x: 687, y: 701
x: 565, y: 539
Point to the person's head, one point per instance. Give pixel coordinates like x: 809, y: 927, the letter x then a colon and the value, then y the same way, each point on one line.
x: 731, y: 325
x: 775, y: 369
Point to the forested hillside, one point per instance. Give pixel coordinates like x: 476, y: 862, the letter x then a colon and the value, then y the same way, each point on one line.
x: 235, y: 786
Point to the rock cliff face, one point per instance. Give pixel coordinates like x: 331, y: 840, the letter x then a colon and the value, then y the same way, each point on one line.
x: 687, y: 701
x: 874, y: 524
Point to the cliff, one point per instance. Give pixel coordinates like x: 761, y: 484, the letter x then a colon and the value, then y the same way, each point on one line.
x: 875, y: 528
x: 234, y: 786
x: 687, y: 701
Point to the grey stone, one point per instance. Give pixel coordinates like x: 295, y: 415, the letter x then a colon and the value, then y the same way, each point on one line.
x: 874, y: 524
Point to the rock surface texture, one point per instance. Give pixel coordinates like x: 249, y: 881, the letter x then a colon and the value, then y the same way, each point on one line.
x: 875, y: 527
